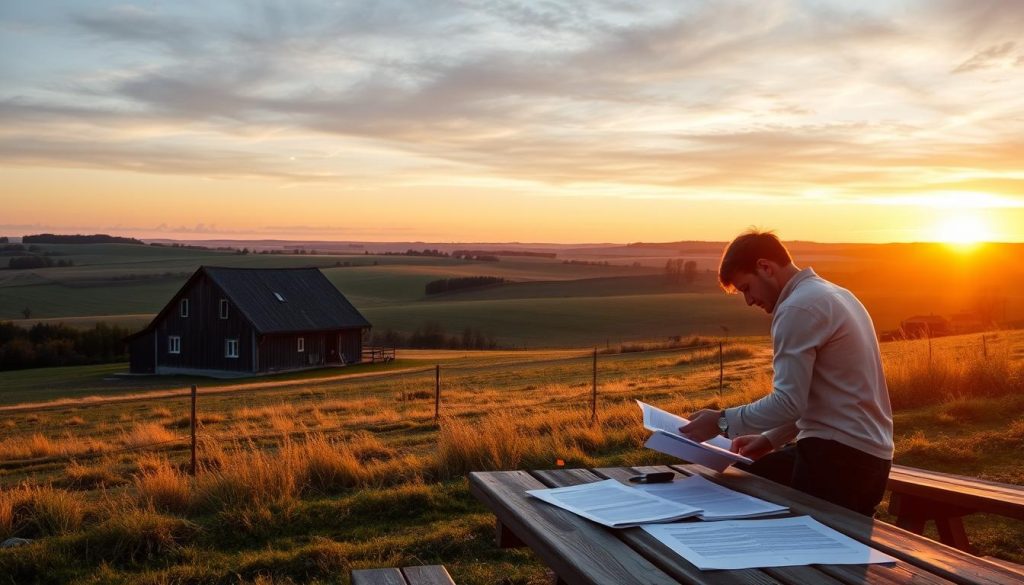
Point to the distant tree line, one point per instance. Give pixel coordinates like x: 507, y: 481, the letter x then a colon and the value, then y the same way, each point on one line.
x: 4, y: 240
x: 426, y: 252
x: 79, y: 239
x: 45, y: 345
x: 433, y: 336
x: 24, y: 262
x: 479, y: 257
x: 679, y: 270
x: 13, y: 248
x: 466, y: 282
x: 471, y: 253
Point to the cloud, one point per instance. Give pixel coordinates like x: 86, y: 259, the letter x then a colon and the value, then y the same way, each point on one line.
x: 988, y: 58
x: 132, y: 25
x: 675, y: 99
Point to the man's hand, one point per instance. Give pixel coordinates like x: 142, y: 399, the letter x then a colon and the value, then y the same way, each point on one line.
x: 753, y: 446
x: 703, y: 425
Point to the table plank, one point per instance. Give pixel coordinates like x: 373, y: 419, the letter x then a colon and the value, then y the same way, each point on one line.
x: 579, y: 551
x: 900, y: 573
x: 662, y: 556
x: 934, y: 557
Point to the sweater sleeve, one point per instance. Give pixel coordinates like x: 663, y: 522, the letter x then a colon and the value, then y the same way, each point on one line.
x: 796, y: 335
x: 779, y: 436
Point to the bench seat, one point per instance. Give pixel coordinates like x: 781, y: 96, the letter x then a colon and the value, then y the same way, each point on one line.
x: 918, y: 495
x: 425, y: 575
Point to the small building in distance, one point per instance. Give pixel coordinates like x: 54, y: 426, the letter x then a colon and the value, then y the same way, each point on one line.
x: 243, y: 321
x: 922, y: 326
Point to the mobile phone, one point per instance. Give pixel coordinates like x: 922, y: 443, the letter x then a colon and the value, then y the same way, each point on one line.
x: 653, y: 477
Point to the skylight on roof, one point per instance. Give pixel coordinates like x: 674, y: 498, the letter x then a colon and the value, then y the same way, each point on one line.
x: 279, y: 297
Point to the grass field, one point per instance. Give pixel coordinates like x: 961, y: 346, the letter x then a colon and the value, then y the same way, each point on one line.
x: 302, y: 480
x: 548, y: 303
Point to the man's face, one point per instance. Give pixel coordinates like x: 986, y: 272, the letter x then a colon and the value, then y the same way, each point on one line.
x: 758, y: 288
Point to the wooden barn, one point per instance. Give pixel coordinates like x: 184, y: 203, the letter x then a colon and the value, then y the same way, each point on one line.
x: 243, y: 321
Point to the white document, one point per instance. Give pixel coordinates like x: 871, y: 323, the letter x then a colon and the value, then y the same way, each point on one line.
x: 610, y: 503
x: 717, y: 502
x: 780, y: 542
x: 713, y: 453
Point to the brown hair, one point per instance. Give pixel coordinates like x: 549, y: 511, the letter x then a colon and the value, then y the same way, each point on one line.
x: 742, y: 254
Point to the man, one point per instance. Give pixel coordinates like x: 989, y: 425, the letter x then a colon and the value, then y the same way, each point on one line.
x: 829, y: 391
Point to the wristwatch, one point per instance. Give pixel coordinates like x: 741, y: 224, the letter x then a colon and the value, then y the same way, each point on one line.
x: 723, y: 424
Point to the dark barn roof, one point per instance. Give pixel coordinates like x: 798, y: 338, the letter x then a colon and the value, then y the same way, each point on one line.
x: 281, y: 300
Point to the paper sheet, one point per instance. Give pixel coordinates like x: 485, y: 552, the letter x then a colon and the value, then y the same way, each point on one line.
x: 717, y: 502
x: 610, y: 503
x: 713, y: 453
x: 781, y: 542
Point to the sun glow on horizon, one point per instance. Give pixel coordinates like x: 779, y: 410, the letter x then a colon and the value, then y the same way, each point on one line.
x: 963, y: 231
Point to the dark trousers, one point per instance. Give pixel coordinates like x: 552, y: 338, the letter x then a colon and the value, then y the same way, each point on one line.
x: 828, y: 470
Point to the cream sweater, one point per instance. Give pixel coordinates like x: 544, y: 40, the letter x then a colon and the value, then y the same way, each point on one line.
x: 828, y: 379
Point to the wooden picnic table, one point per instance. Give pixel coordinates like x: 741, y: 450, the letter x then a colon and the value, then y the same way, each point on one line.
x: 583, y: 552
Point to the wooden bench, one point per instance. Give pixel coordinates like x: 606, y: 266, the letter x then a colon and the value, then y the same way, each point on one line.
x: 918, y: 496
x: 425, y: 575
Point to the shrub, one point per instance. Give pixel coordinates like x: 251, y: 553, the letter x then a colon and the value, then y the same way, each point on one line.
x: 164, y: 488
x: 33, y: 512
x: 79, y: 476
x: 132, y: 535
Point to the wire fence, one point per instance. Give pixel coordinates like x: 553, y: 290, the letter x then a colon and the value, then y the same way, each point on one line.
x: 577, y: 381
x: 452, y: 388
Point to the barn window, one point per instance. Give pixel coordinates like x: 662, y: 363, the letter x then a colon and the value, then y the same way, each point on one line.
x: 223, y: 308
x: 231, y: 348
x: 184, y: 308
x: 302, y: 344
x: 173, y: 344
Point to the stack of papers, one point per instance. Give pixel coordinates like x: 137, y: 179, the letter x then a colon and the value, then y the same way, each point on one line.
x: 780, y: 542
x: 610, y: 503
x: 616, y: 505
x: 716, y: 502
x: 713, y: 453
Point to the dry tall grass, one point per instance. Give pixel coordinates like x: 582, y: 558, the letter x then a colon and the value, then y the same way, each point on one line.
x: 917, y: 379
x: 146, y: 434
x: 38, y: 511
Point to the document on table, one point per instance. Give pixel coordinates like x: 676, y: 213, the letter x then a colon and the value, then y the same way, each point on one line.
x: 713, y: 453
x: 717, y: 502
x: 610, y: 503
x: 780, y: 542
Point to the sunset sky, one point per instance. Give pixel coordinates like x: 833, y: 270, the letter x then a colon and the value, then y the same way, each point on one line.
x: 590, y: 121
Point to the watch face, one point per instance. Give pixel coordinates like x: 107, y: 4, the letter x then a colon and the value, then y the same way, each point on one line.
x: 723, y: 424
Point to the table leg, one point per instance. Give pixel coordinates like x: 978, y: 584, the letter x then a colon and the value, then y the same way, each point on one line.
x: 505, y: 538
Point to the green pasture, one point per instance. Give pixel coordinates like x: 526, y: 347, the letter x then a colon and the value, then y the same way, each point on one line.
x: 580, y: 321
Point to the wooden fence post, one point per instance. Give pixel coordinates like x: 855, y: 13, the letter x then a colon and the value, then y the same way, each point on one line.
x: 193, y: 424
x: 437, y: 392
x: 593, y: 400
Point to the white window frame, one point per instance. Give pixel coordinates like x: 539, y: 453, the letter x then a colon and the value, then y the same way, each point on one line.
x: 302, y: 344
x: 174, y: 344
x: 229, y: 345
x: 183, y: 308
x: 223, y: 308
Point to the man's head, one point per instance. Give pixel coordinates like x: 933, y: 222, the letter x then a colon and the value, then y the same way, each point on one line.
x: 757, y: 265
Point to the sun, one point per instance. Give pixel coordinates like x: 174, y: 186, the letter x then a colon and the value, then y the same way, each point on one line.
x: 962, y: 231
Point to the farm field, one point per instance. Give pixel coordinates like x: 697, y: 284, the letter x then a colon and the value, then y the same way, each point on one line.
x: 299, y: 483
x: 584, y: 297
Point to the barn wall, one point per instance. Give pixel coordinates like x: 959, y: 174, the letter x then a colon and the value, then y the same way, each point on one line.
x: 203, y: 333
